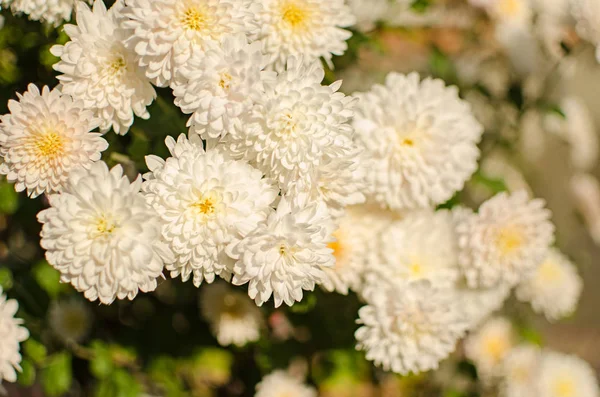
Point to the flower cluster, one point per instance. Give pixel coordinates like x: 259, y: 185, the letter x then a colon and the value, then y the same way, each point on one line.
x: 12, y: 333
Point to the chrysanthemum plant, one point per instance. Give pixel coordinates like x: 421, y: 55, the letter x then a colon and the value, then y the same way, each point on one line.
x: 218, y: 214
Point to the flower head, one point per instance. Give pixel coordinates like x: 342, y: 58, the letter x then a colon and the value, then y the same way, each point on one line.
x: 280, y: 383
x: 311, y: 28
x: 53, y: 12
x: 102, y: 236
x: 562, y: 375
x: 205, y: 201
x: 166, y: 33
x: 554, y: 288
x: 505, y: 241
x: 420, y: 141
x: 285, y: 254
x: 98, y: 69
x: 12, y: 333
x: 520, y: 371
x: 233, y: 317
x: 44, y: 138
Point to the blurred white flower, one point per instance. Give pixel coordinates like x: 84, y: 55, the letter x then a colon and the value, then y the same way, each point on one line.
x: 102, y: 236
x: 295, y: 126
x: 70, y: 320
x: 420, y: 141
x: 555, y: 287
x: 166, y: 33
x: 409, y: 328
x: 218, y: 85
x: 100, y: 71
x: 520, y: 370
x: 12, y: 333
x: 309, y: 28
x: 480, y: 303
x: 420, y: 246
x: 587, y: 15
x: 368, y: 12
x: 489, y: 345
x: 44, y: 137
x: 285, y: 254
x: 233, y: 317
x: 580, y: 132
x: 53, y: 12
x: 280, y: 383
x: 585, y: 190
x: 562, y: 375
x: 205, y: 201
x: 505, y: 241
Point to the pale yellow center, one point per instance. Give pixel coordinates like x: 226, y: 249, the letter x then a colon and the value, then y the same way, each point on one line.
x: 416, y: 269
x: 549, y: 271
x: 564, y: 388
x: 104, y: 226
x: 509, y: 239
x: 407, y: 142
x: 496, y: 347
x: 116, y: 67
x: 295, y: 14
x: 50, y: 145
x: 205, y: 206
x: 194, y: 19
x: 509, y: 8
x: 225, y: 82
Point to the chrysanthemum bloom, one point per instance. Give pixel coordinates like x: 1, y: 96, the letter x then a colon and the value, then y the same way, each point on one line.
x: 368, y: 12
x: 280, y: 383
x: 505, y: 241
x: 554, y: 288
x: 489, y: 345
x: 233, y: 317
x: 309, y: 28
x: 206, y: 201
x: 12, y: 333
x: 420, y: 246
x: 479, y: 303
x: 351, y: 250
x: 562, y: 375
x: 165, y: 33
x: 410, y: 328
x: 100, y: 71
x: 216, y: 86
x: 70, y: 320
x: 420, y: 141
x: 293, y: 125
x: 285, y: 254
x: 45, y: 137
x: 53, y: 12
x: 102, y: 236
x: 520, y: 370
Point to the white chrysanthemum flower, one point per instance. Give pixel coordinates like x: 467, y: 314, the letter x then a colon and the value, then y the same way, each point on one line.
x: 53, y: 12
x: 70, y: 320
x: 280, y: 383
x: 45, y: 137
x: 505, y: 241
x: 420, y: 140
x: 562, y: 375
x: 285, y: 254
x: 489, y: 345
x: 409, y: 328
x: 585, y: 190
x: 555, y: 287
x: 100, y: 71
x: 217, y: 86
x: 368, y: 12
x: 295, y: 126
x: 309, y: 28
x: 520, y: 369
x: 206, y: 201
x: 587, y: 15
x: 102, y: 236
x: 479, y: 303
x: 166, y: 33
x: 233, y: 317
x: 12, y: 333
x: 420, y: 246
x: 351, y: 249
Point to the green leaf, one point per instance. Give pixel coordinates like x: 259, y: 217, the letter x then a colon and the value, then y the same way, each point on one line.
x: 49, y: 279
x: 36, y: 351
x: 125, y: 384
x: 6, y: 279
x: 420, y: 6
x: 101, y: 366
x: 27, y: 375
x: 57, y: 376
x: 441, y: 66
x: 305, y: 305
x: 531, y: 335
x: 9, y: 199
x: 495, y: 185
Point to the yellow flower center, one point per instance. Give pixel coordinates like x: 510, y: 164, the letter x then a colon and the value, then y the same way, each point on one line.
x: 117, y: 66
x: 407, y: 142
x: 509, y: 240
x: 416, y: 269
x: 549, y: 271
x: 50, y: 145
x: 225, y: 82
x: 104, y: 226
x: 194, y: 19
x: 295, y: 14
x: 509, y: 8
x: 564, y: 388
x: 205, y: 206
x: 496, y: 347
